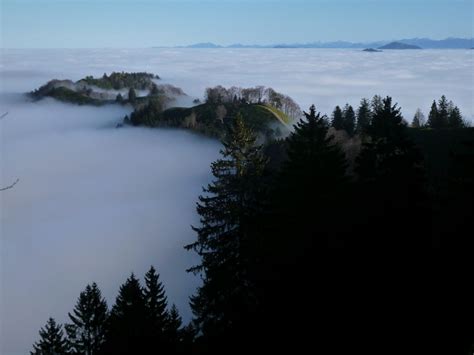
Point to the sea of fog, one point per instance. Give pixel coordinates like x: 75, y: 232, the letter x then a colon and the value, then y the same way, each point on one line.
x: 95, y: 203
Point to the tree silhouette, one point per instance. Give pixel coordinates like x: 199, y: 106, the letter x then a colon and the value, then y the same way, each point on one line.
x: 392, y: 179
x: 52, y: 341
x: 363, y: 116
x: 127, y: 328
x: 337, y: 120
x: 349, y: 120
x: 155, y: 303
x: 223, y: 240
x: 86, y: 333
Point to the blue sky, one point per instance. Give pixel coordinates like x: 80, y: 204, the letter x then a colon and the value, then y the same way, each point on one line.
x: 146, y: 23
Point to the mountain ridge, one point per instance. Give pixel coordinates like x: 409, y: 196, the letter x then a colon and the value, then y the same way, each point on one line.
x: 426, y: 43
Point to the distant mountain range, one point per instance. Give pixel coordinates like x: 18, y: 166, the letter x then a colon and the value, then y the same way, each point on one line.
x: 448, y: 43
x: 399, y: 45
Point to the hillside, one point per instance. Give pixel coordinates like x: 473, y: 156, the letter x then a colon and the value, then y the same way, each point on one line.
x: 211, y: 119
x: 113, y: 88
x: 399, y: 45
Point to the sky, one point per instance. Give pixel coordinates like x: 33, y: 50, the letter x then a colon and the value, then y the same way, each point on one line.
x: 149, y: 23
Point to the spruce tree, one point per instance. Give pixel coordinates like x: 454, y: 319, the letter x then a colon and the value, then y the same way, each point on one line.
x: 363, y: 116
x: 391, y: 178
x: 443, y: 112
x: 455, y: 118
x: 433, y: 121
x: 119, y: 98
x: 227, y: 211
x: 173, y: 326
x: 315, y: 171
x: 155, y: 303
x: 86, y: 333
x: 349, y: 120
x: 127, y: 326
x: 337, y: 120
x: 52, y: 341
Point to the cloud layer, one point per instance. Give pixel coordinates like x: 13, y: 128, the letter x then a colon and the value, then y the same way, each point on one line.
x: 95, y: 202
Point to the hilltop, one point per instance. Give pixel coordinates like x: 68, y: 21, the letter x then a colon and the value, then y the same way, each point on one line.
x: 211, y: 119
x: 113, y: 88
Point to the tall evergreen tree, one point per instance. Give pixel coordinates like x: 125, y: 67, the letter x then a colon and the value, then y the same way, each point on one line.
x: 227, y: 211
x: 443, y: 112
x: 363, y: 116
x: 349, y: 119
x: 433, y: 121
x: 156, y: 303
x: 127, y: 328
x: 315, y: 171
x: 86, y: 333
x: 455, y: 118
x: 52, y: 341
x: 391, y: 176
x: 173, y: 326
x: 337, y: 120
x: 418, y: 119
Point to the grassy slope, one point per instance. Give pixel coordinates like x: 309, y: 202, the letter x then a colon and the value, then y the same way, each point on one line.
x: 281, y: 116
x: 262, y: 119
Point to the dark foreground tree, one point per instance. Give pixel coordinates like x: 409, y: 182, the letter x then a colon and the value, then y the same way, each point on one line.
x: 127, y: 328
x: 86, y: 333
x: 337, y: 120
x: 349, y: 120
x: 227, y: 210
x: 363, y: 116
x: 155, y: 303
x: 52, y: 341
x: 391, y: 177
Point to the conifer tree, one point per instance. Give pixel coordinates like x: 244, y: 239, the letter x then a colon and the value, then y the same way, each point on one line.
x: 349, y: 120
x: 455, y: 118
x: 315, y: 171
x: 433, y: 121
x: 173, y: 326
x: 337, y: 120
x: 52, y: 341
x: 86, y: 333
x: 363, y: 116
x: 155, y: 303
x: 391, y: 174
x: 227, y: 210
x: 443, y: 112
x: 127, y: 328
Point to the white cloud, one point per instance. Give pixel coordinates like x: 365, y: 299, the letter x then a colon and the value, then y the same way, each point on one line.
x: 95, y: 203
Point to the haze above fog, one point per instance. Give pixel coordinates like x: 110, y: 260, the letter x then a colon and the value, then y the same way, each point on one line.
x: 95, y: 203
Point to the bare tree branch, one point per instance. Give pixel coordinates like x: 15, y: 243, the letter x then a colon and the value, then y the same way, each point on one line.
x: 11, y: 186
x: 4, y: 115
